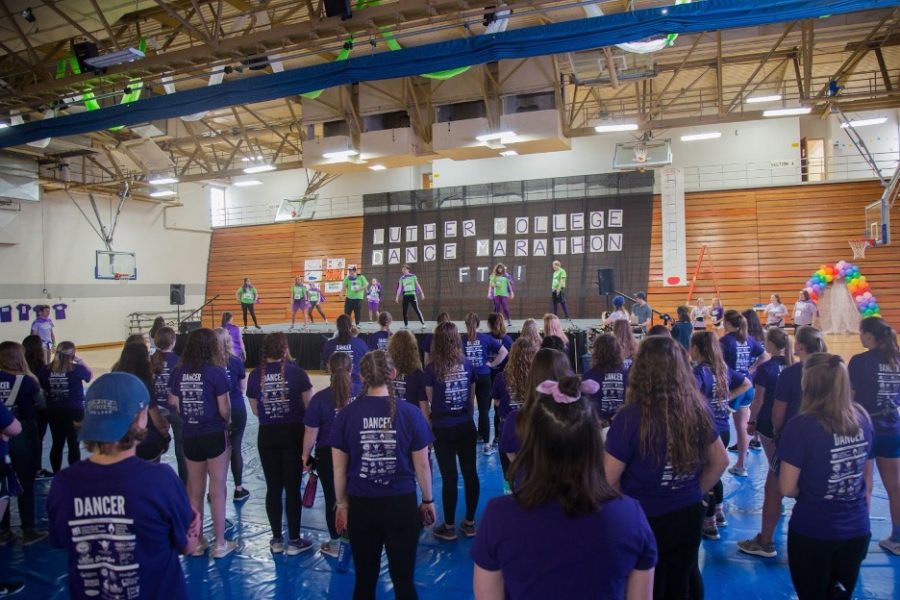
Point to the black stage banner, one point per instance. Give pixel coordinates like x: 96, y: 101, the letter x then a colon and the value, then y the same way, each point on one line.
x: 453, y: 237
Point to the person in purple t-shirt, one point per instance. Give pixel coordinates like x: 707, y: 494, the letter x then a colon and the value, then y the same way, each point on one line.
x: 409, y: 383
x: 449, y: 408
x: 379, y: 339
x: 556, y: 503
x: 719, y: 385
x: 826, y: 464
x: 373, y: 299
x: 485, y: 352
x: 279, y: 393
x: 63, y: 383
x: 662, y: 449
x: 510, y: 388
x: 127, y: 518
x: 319, y: 416
x: 237, y: 381
x: 237, y: 338
x: 198, y: 390
x: 609, y: 371
x: 43, y: 327
x: 380, y: 449
x: 426, y: 341
x: 162, y: 363
x: 875, y: 377
x: 345, y: 341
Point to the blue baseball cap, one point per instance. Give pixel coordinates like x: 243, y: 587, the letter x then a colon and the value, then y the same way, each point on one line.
x: 618, y: 301
x: 110, y: 405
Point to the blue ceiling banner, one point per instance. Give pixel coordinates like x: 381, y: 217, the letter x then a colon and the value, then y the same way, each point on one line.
x: 569, y: 36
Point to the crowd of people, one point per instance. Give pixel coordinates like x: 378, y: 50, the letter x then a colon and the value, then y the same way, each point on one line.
x: 627, y: 459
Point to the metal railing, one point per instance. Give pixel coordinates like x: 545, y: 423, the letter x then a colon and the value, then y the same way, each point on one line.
x: 257, y: 214
x: 141, y: 321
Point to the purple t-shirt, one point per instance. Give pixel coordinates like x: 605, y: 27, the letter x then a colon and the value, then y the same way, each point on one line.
x: 280, y: 398
x: 451, y: 399
x: 23, y: 403
x: 426, y: 343
x: 876, y: 385
x: 767, y: 376
x: 6, y: 313
x: 379, y: 340
x: 6, y: 419
x: 718, y: 401
x: 65, y: 390
x: 236, y: 373
x: 789, y: 389
x: 59, y: 311
x: 161, y: 381
x: 478, y: 351
x: 380, y: 450
x: 652, y: 484
x: 197, y: 393
x: 740, y: 355
x: 610, y: 544
x: 507, y: 403
x: 832, y: 502
x: 410, y: 387
x: 320, y: 414
x: 24, y: 310
x: 355, y: 347
x: 611, y: 395
x: 506, y: 341
x: 43, y: 328
x: 509, y: 440
x: 123, y: 526
x: 237, y: 342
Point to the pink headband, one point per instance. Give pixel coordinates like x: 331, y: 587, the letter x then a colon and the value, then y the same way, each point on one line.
x: 551, y: 388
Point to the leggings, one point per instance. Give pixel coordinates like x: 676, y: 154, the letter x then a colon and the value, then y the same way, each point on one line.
x: 177, y: 424
x: 483, y: 396
x: 62, y: 428
x: 678, y: 536
x: 248, y: 307
x: 825, y: 568
x: 501, y: 305
x: 717, y: 494
x: 391, y: 523
x: 354, y: 306
x: 315, y: 305
x: 450, y: 443
x: 236, y: 435
x: 560, y: 298
x: 410, y: 300
x: 325, y: 469
x: 280, y: 449
x: 25, y: 463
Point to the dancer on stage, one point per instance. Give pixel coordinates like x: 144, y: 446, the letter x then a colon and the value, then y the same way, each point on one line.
x: 248, y: 297
x: 353, y: 290
x: 558, y: 288
x: 500, y: 290
x: 411, y: 290
x: 316, y: 298
x: 373, y: 299
x: 299, y: 300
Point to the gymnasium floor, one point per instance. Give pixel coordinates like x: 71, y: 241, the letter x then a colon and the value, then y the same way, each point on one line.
x: 444, y: 569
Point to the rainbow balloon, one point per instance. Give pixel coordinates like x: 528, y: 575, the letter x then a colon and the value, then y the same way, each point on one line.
x: 856, y: 283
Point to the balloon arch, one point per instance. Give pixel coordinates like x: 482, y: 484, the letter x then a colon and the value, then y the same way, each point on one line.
x: 856, y: 283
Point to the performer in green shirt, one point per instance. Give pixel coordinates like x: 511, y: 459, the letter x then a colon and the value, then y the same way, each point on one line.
x: 558, y: 288
x: 299, y: 300
x: 411, y: 290
x: 354, y: 290
x: 248, y: 297
x: 500, y: 290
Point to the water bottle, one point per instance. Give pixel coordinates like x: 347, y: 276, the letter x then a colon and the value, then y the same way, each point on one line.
x: 309, y: 494
x: 344, y: 555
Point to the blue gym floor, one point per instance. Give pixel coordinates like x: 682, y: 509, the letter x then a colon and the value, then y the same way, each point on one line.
x: 444, y: 569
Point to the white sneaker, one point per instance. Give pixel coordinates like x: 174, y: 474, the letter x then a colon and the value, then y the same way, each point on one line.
x: 202, y: 545
x: 890, y: 545
x: 276, y: 545
x: 225, y: 549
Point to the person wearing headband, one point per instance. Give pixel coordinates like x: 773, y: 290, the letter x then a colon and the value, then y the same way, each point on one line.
x: 116, y: 510
x: 561, y: 494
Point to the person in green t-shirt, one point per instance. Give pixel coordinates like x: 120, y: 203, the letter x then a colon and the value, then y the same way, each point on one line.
x: 299, y: 300
x: 500, y: 290
x: 354, y: 290
x: 558, y: 288
x: 248, y: 297
x: 411, y: 290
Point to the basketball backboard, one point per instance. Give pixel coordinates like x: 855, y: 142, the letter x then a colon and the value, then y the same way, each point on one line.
x: 115, y: 265
x: 876, y: 228
x: 643, y: 154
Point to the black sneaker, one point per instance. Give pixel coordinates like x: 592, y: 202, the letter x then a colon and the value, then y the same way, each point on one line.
x: 10, y: 588
x: 241, y: 495
x: 755, y: 445
x: 43, y: 474
x: 733, y: 448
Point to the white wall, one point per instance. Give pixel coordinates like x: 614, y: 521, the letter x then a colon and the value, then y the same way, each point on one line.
x: 54, y: 262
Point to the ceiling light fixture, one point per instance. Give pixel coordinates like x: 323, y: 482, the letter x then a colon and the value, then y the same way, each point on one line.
x: 864, y: 122
x: 247, y: 183
x: 378, y: 167
x: 614, y: 127
x: 162, y: 193
x: 341, y: 154
x: 500, y: 135
x: 162, y: 180
x: 787, y: 112
x: 694, y: 137
x: 125, y: 55
x: 259, y: 169
x: 509, y: 153
x: 28, y: 15
x: 757, y: 99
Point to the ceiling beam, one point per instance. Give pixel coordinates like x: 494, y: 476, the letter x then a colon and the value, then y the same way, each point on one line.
x: 37, y: 65
x: 105, y: 23
x: 51, y: 4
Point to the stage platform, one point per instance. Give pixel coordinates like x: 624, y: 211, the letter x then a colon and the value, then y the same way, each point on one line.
x: 306, y: 343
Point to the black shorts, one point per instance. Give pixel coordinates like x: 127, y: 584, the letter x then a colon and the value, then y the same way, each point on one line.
x: 205, y: 447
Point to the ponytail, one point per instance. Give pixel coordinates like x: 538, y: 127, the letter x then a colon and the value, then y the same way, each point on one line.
x: 739, y: 323
x: 339, y: 366
x: 376, y: 369
x: 781, y: 340
x: 472, y: 323
x: 885, y: 339
x: 226, y: 318
x: 164, y: 341
x: 811, y: 339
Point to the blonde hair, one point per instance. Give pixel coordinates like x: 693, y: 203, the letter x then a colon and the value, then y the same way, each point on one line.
x: 553, y: 326
x: 224, y: 341
x: 64, y: 360
x: 530, y: 332
x: 827, y: 395
x: 622, y: 331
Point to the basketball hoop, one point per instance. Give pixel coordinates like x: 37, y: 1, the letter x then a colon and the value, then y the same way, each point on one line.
x: 859, y: 247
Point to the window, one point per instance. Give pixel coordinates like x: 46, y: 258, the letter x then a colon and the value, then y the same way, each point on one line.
x: 218, y: 214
